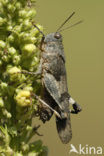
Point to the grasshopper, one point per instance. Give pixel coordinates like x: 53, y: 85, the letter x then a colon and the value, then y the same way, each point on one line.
x: 55, y: 96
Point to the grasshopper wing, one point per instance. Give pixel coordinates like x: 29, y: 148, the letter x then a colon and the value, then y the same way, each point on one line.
x: 64, y: 129
x: 63, y: 125
x: 52, y: 87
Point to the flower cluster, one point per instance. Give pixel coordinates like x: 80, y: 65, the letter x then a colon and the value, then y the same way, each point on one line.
x: 19, y: 42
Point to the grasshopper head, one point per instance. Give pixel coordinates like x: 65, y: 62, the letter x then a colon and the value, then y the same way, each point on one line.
x: 52, y: 43
x: 53, y: 37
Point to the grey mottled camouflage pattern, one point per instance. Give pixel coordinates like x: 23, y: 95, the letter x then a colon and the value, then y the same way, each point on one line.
x: 55, y: 91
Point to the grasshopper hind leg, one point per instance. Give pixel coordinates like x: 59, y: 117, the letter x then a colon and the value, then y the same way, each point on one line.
x: 47, y: 112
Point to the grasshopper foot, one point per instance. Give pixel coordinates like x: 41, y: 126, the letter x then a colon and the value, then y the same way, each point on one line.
x: 77, y: 108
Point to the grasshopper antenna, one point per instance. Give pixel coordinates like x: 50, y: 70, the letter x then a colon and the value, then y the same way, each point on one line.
x: 39, y: 30
x: 71, y: 25
x: 65, y: 21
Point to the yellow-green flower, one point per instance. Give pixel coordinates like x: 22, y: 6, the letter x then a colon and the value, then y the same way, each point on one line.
x: 23, y: 98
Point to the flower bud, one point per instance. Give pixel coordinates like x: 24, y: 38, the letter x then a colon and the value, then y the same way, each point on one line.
x: 25, y: 147
x: 1, y: 102
x: 11, y: 8
x: 27, y: 38
x: 11, y: 50
x: 28, y: 88
x: 2, y: 44
x: 29, y: 128
x: 29, y: 49
x: 9, y: 28
x: 31, y: 13
x: 16, y: 59
x: 5, y: 2
x: 18, y: 154
x: 6, y: 113
x: 32, y: 154
x: 3, y: 85
x: 5, y: 58
x: 1, y: 62
x: 14, y: 70
x: 23, y: 98
x: 18, y: 5
x: 33, y: 39
x: 22, y: 13
x: 1, y: 5
x: 9, y: 151
x: 26, y: 25
x: 14, y: 74
x: 11, y: 38
x: 17, y: 28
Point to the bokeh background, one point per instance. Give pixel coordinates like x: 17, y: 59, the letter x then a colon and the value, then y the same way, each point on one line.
x: 84, y: 51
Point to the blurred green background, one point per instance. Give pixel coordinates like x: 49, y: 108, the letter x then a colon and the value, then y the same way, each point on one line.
x: 84, y: 50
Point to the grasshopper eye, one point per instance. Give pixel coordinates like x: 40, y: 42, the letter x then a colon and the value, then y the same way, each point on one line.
x: 57, y: 35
